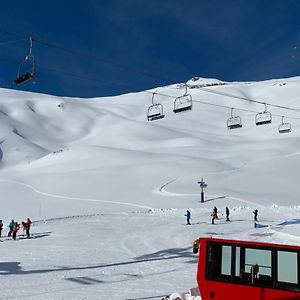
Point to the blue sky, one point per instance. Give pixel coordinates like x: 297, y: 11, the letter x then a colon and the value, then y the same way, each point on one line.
x: 133, y: 45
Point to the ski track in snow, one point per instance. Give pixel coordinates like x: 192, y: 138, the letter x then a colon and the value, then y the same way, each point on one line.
x: 286, y: 235
x: 161, y: 190
x: 72, y: 198
x: 246, y: 201
x: 274, y: 228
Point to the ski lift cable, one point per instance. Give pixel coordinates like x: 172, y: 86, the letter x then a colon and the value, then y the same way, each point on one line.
x: 102, y: 60
x: 248, y: 99
x: 219, y: 105
x: 11, y: 42
x: 141, y: 72
x: 239, y: 98
x: 10, y: 59
x: 65, y: 73
x: 241, y: 109
x: 147, y: 91
x: 47, y: 69
x: 6, y: 32
x: 92, y: 57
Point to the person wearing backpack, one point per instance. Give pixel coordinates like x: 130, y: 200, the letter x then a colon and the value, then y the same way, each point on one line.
x: 11, y: 227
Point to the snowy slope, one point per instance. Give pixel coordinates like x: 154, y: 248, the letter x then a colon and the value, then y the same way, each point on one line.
x: 129, y: 182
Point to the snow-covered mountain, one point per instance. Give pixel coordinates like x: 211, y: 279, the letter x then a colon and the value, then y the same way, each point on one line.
x: 131, y: 180
x: 105, y: 148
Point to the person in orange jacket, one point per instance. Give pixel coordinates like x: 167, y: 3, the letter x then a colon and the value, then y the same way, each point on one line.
x: 15, y: 230
x: 196, y: 246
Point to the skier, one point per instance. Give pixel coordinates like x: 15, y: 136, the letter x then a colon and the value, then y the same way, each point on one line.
x: 11, y: 227
x: 188, y: 217
x: 1, y: 227
x: 227, y: 214
x: 24, y: 228
x: 15, y: 230
x: 27, y: 227
x: 255, y: 212
x: 214, y: 215
x: 215, y: 212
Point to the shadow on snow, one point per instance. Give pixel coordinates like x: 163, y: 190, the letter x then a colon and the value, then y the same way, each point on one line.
x: 14, y: 268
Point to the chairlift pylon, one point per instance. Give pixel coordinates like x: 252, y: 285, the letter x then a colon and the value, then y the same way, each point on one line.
x: 26, y: 70
x: 234, y: 121
x: 284, y: 127
x: 155, y: 111
x: 264, y: 117
x: 183, y: 103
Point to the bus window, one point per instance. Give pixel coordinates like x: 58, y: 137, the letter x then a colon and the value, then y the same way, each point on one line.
x: 287, y: 267
x: 237, y: 272
x: 218, y: 262
x: 226, y: 260
x: 258, y: 264
x: 260, y: 257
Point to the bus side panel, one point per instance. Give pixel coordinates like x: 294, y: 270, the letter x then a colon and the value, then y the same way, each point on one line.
x: 212, y: 290
x: 269, y: 294
x: 216, y: 290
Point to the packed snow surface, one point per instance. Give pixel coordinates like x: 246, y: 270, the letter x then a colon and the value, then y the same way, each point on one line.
x: 108, y: 190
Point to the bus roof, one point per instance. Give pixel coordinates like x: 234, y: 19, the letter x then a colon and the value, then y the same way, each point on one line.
x: 249, y: 243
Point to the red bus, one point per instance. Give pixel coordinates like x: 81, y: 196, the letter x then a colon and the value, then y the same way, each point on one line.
x: 244, y: 270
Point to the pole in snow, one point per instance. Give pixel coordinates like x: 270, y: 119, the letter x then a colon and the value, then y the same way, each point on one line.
x: 203, y: 185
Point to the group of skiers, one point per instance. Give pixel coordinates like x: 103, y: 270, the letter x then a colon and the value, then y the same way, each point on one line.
x: 214, y: 215
x: 13, y: 228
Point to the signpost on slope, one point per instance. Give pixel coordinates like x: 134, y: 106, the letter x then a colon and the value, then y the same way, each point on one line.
x: 203, y: 185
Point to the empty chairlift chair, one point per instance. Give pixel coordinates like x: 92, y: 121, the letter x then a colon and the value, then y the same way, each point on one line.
x: 183, y: 103
x: 264, y: 117
x: 284, y: 127
x: 155, y: 111
x: 26, y: 70
x: 234, y: 121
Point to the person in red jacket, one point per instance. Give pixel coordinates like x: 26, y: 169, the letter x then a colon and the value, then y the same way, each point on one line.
x: 15, y: 230
x: 27, y: 226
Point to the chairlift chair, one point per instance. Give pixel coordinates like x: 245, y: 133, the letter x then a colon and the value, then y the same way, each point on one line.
x: 234, y: 121
x: 284, y: 127
x: 183, y: 103
x: 26, y: 70
x: 155, y: 111
x: 264, y: 117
